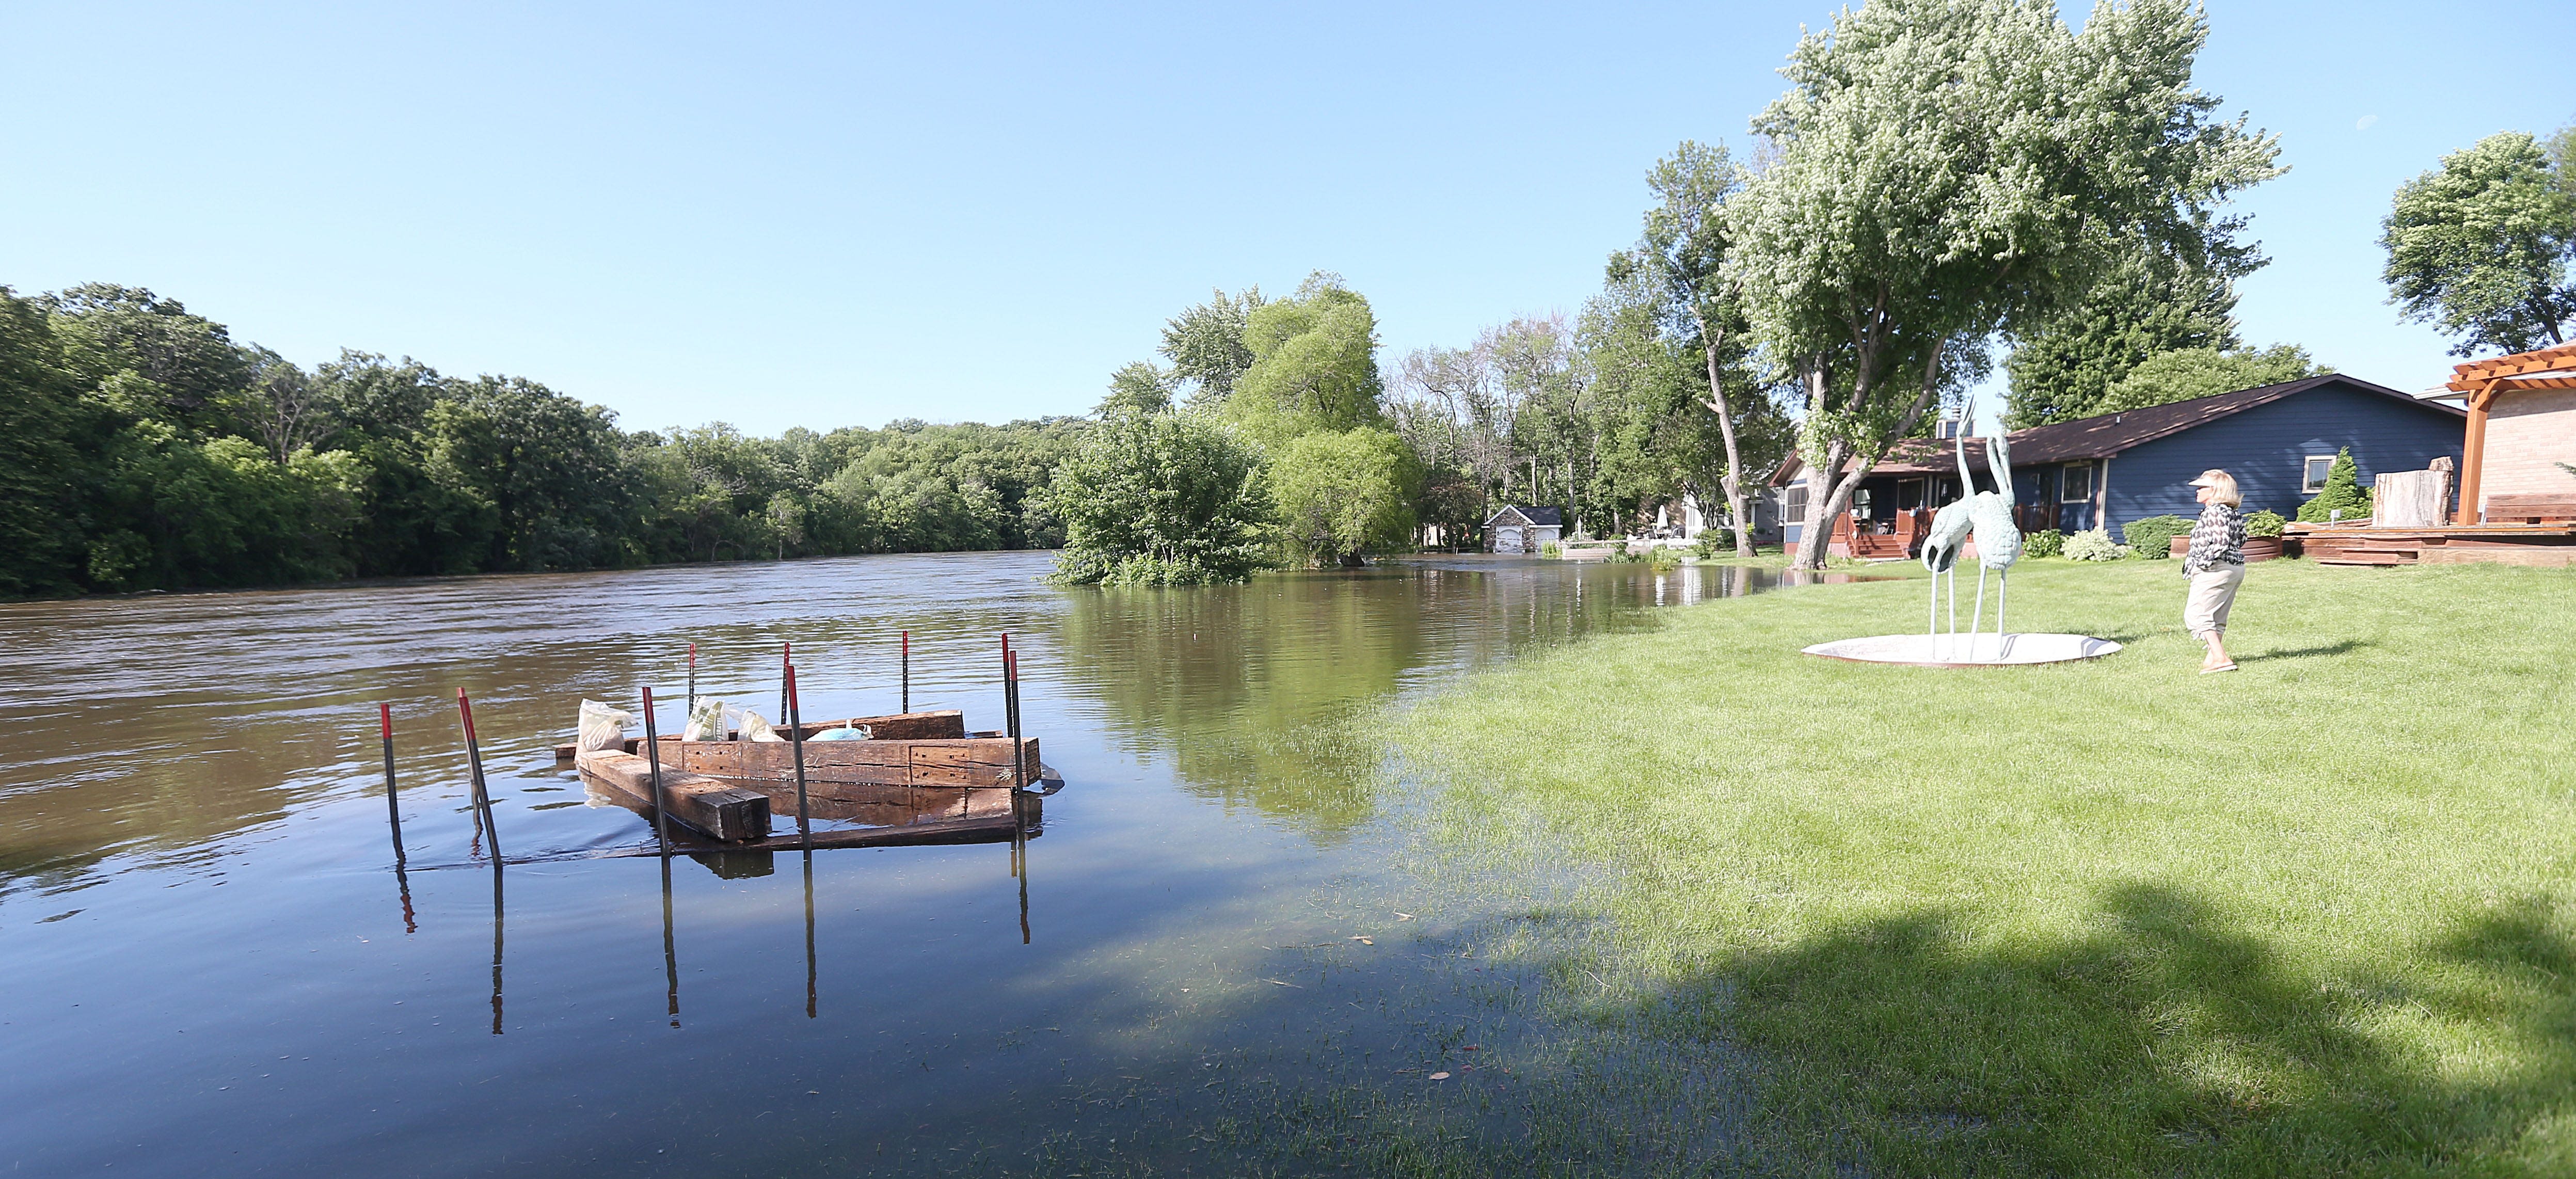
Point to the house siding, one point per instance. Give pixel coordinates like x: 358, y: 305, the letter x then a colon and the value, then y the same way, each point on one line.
x: 2266, y: 448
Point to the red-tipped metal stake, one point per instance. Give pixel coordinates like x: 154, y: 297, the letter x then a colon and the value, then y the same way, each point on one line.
x: 474, y: 767
x: 693, y: 677
x: 907, y: 673
x: 1011, y: 717
x: 393, y: 809
x: 796, y: 742
x: 653, y: 762
x: 787, y: 662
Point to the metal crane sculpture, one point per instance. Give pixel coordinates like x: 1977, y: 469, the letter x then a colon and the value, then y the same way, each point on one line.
x: 1985, y: 516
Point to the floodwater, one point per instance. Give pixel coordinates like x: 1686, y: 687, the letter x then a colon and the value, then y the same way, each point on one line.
x: 209, y: 965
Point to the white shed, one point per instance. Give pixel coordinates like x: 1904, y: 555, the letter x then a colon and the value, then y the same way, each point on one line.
x: 1521, y: 528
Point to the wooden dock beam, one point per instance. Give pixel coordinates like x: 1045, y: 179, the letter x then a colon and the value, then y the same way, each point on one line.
x: 715, y: 809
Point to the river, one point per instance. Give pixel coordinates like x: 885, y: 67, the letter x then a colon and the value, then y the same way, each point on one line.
x: 212, y: 967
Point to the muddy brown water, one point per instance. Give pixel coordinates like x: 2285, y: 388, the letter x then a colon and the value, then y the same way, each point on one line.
x: 211, y: 967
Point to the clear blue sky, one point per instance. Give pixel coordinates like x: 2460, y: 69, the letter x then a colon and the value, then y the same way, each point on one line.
x: 836, y: 215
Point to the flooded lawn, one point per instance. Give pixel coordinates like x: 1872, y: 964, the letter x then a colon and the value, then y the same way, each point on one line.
x: 1240, y: 956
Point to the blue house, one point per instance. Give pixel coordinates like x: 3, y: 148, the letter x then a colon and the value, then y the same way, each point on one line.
x: 2107, y: 470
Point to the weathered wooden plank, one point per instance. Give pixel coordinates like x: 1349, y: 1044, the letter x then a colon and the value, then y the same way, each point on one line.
x: 902, y: 726
x: 720, y: 810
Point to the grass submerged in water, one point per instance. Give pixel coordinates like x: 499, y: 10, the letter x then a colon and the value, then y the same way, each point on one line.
x: 2310, y: 918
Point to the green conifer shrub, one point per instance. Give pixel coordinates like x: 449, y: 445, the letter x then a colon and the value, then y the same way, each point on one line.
x: 2343, y: 493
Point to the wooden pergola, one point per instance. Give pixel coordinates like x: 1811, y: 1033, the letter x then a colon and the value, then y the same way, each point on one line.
x: 2482, y: 380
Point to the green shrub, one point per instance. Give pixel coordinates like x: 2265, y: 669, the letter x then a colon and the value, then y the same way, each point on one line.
x: 1663, y: 558
x: 1551, y: 550
x: 2092, y: 544
x: 2264, y: 523
x: 2047, y: 542
x: 2152, y: 537
x: 1714, y: 542
x: 2343, y: 497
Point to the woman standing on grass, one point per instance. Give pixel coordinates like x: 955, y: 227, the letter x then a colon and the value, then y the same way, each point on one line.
x: 2216, y: 566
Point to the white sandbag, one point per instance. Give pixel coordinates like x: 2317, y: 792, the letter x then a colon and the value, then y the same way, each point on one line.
x: 601, y: 728
x: 756, y: 727
x: 706, y: 721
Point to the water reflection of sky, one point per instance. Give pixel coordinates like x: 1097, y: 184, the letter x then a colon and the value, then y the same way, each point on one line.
x: 210, y: 968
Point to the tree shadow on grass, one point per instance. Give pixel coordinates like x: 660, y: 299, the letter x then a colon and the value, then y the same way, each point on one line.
x: 2160, y: 1042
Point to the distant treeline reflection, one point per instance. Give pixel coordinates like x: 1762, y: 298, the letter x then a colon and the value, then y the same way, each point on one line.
x: 142, y: 447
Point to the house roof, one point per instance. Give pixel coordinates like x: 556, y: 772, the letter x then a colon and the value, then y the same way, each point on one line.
x: 2106, y: 435
x: 1537, y: 516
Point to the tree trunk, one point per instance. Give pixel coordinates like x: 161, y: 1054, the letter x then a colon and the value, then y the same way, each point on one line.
x: 1816, y: 533
x: 1729, y: 483
x: 1817, y: 540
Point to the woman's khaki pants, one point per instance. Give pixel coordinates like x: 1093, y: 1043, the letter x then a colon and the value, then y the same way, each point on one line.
x: 2213, y: 594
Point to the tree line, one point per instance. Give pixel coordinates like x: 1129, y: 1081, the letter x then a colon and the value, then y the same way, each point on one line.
x: 143, y: 447
x: 1947, y: 186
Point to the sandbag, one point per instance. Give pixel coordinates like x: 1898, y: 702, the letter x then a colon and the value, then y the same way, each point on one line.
x: 756, y: 727
x: 706, y: 721
x: 601, y: 727
x: 844, y: 733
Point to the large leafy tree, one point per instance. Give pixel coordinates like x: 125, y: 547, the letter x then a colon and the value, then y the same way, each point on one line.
x: 1161, y: 499
x: 147, y: 357
x: 2148, y: 303
x: 1205, y: 344
x: 1686, y: 245
x: 1137, y: 388
x: 40, y: 467
x: 2481, y: 247
x: 1949, y: 169
x: 2186, y: 373
x: 1314, y: 364
x: 1648, y: 420
x: 1343, y: 493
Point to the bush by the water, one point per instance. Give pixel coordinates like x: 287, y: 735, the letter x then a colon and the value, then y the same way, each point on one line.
x: 2265, y: 523
x: 2152, y: 537
x: 1714, y: 542
x: 2342, y: 498
x: 1551, y: 550
x: 1172, y: 498
x: 2047, y: 542
x: 2092, y: 544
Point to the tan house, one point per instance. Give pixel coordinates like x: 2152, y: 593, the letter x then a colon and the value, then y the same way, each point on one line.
x: 2522, y: 428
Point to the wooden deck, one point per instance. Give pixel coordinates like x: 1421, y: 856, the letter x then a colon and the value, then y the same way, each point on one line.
x: 2550, y: 545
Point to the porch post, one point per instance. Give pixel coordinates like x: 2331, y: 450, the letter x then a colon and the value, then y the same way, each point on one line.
x: 2473, y: 455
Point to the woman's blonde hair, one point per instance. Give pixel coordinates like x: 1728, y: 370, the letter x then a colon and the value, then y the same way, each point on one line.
x: 2225, y: 485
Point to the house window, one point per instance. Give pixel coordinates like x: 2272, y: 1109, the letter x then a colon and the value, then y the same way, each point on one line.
x: 1860, y: 503
x: 1909, y: 494
x: 2312, y: 473
x: 2077, y: 486
x: 1793, y: 502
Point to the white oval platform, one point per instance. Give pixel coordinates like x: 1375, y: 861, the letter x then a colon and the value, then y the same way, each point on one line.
x: 2015, y: 650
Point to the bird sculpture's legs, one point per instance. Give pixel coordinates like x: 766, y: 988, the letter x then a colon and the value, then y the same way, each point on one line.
x: 1976, y: 621
x: 1952, y: 576
x: 2003, y: 595
x: 1932, y: 619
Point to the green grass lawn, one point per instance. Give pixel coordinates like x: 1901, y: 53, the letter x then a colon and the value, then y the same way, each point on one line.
x: 2311, y: 918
